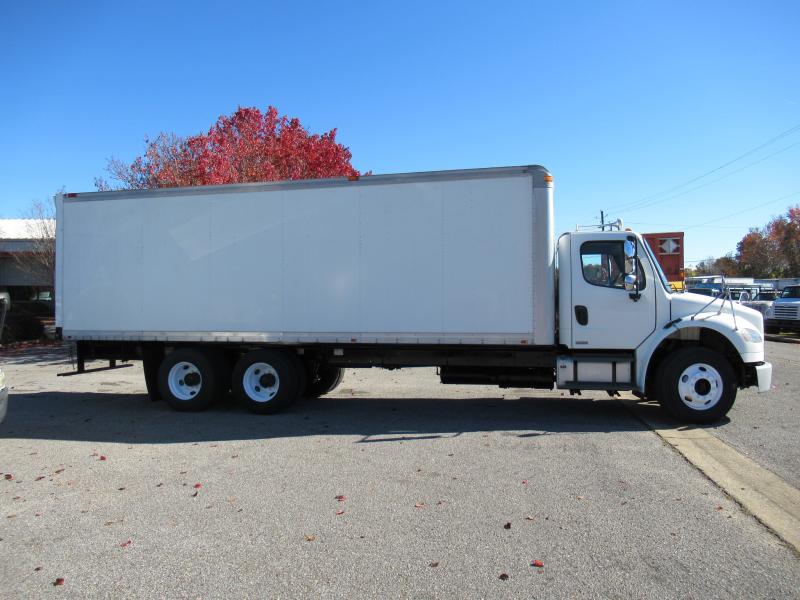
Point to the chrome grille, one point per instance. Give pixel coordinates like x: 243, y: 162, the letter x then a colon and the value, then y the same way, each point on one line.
x: 785, y: 311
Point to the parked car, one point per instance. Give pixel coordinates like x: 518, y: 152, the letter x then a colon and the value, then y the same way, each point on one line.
x: 3, y: 396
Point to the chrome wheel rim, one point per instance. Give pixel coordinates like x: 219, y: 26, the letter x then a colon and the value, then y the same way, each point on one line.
x: 261, y: 382
x: 184, y: 380
x: 700, y: 386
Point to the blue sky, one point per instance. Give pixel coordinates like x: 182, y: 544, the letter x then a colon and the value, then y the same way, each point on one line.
x: 620, y: 100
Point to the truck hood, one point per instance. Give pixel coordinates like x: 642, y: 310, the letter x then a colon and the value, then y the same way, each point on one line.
x: 688, y: 304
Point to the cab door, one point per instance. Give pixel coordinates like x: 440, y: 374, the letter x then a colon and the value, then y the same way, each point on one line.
x: 604, y: 314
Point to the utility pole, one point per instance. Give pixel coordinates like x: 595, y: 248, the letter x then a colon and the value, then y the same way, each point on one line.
x: 602, y: 221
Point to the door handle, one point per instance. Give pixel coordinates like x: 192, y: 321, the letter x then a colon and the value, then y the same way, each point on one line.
x: 581, y: 315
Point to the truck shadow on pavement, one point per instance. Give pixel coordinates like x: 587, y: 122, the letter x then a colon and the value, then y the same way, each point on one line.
x: 134, y: 419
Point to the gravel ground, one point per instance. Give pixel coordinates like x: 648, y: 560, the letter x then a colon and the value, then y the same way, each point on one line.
x: 103, y: 494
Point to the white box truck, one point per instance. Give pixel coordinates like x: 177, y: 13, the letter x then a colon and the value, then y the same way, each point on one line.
x: 270, y: 290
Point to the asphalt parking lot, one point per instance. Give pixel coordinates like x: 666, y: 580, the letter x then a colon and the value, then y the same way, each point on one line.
x: 394, y: 486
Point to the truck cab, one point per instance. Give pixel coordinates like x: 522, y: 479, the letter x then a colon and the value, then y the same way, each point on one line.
x: 784, y: 314
x: 622, y: 327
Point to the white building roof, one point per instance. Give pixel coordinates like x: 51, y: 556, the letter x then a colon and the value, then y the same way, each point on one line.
x: 25, y: 229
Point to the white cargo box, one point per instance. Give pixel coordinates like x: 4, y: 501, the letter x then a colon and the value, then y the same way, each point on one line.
x: 453, y: 257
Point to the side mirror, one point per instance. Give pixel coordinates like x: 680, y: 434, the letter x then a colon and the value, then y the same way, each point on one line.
x: 631, y: 281
x: 630, y: 256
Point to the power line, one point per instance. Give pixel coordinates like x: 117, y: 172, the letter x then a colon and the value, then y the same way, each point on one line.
x: 789, y: 131
x: 707, y: 183
x: 744, y: 211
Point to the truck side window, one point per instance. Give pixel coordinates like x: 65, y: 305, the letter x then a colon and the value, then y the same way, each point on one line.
x: 603, y: 264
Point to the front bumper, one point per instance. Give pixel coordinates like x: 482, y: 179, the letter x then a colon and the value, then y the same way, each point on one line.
x: 791, y: 324
x: 764, y: 376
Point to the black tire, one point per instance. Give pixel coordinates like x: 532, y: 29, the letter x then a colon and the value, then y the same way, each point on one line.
x: 188, y: 396
x: 151, y: 362
x: 323, y: 380
x: 717, y: 390
x: 266, y: 381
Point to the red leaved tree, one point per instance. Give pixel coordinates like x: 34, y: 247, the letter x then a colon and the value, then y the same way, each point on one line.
x: 247, y: 146
x: 758, y: 255
x: 773, y: 251
x: 784, y: 231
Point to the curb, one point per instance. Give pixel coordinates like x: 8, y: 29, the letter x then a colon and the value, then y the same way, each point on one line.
x: 760, y: 492
x: 771, y: 337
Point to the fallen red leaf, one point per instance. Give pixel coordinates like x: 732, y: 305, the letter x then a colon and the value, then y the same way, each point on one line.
x: 507, y: 526
x: 8, y: 476
x: 503, y: 576
x: 40, y: 477
x: 419, y: 505
x: 718, y: 508
x: 103, y: 457
x: 537, y: 563
x: 524, y: 482
x: 339, y: 512
x: 197, y: 486
x: 340, y: 498
x: 59, y: 581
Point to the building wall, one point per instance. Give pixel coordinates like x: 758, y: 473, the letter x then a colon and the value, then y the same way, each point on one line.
x: 12, y: 273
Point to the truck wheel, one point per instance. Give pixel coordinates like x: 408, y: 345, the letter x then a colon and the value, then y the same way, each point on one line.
x: 327, y: 379
x: 696, y: 385
x: 266, y: 381
x: 187, y: 379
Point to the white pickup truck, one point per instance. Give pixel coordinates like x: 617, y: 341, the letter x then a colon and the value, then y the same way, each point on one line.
x: 270, y: 290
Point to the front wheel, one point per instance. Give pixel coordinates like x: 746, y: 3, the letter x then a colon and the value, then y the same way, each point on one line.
x: 696, y: 385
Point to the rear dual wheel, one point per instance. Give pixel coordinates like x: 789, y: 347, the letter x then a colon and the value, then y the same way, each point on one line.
x: 191, y: 379
x: 265, y: 381
x: 323, y: 379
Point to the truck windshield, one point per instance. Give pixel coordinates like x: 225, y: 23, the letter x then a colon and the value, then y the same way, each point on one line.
x: 657, y: 268
x: 791, y: 292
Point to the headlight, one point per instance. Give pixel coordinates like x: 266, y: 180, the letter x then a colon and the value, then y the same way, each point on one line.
x: 751, y: 335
